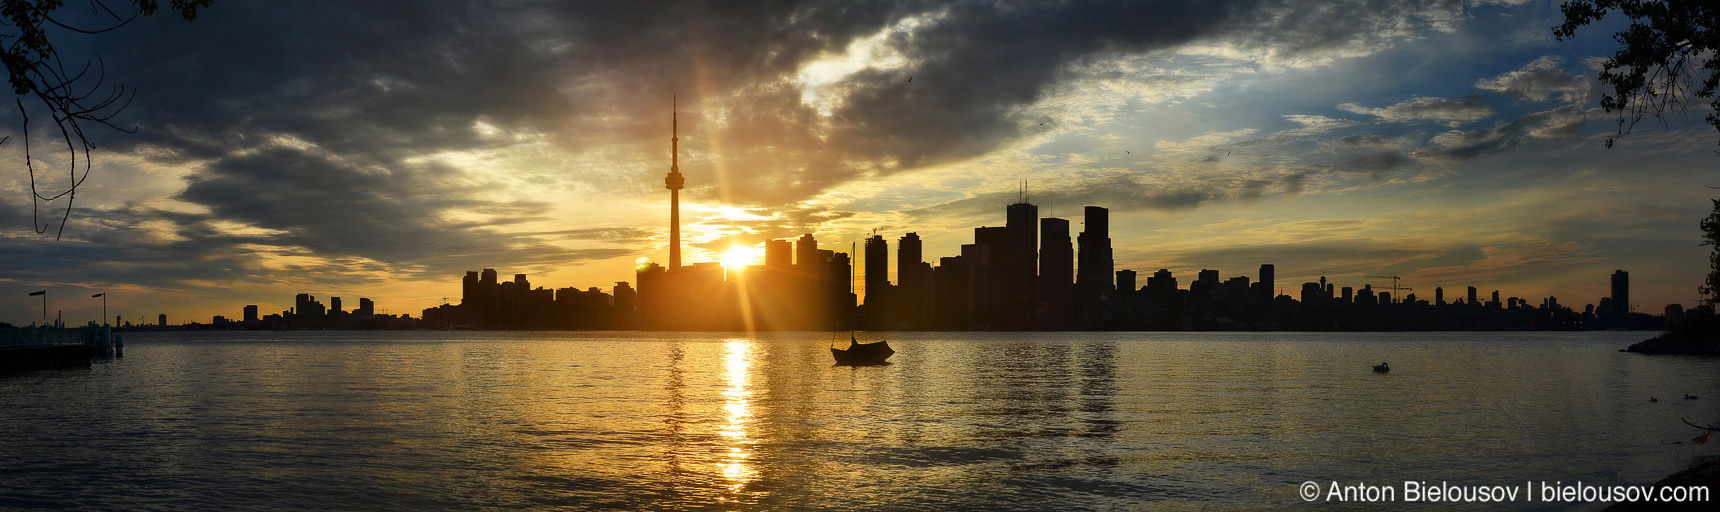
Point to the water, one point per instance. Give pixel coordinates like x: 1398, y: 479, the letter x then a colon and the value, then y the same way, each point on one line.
x: 715, y: 421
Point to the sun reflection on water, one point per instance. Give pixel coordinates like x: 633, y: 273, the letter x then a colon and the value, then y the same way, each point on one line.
x: 737, y: 472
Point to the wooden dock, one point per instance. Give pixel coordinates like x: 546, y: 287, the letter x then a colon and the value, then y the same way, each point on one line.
x: 41, y: 348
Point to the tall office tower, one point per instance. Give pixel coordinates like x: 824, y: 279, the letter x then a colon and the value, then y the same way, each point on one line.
x: 778, y: 254
x: 1268, y: 283
x: 840, y: 268
x: 1020, y: 267
x: 1620, y: 293
x: 674, y: 182
x: 910, y: 260
x: 1096, y: 267
x: 987, y: 283
x: 913, y: 281
x: 1472, y: 298
x: 877, y: 280
x: 1056, y: 268
x: 334, y: 305
x: 1439, y: 296
x: 489, y: 291
x: 469, y: 288
x: 365, y: 307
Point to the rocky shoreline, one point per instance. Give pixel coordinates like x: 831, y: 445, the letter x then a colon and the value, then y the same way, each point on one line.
x: 1664, y: 345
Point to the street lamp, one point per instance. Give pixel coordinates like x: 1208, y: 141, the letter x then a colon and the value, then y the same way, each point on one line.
x: 44, y: 294
x: 103, y: 295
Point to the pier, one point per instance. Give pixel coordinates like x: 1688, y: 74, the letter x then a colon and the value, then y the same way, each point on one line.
x: 40, y: 348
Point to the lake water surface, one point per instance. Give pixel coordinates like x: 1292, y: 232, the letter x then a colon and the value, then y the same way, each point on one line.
x: 731, y: 421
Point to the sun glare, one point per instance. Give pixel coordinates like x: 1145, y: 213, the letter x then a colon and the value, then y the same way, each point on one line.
x: 738, y: 257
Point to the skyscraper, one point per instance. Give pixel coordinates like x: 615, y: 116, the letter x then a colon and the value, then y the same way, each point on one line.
x: 910, y: 257
x: 1096, y: 267
x: 913, y: 281
x: 1268, y: 283
x: 806, y: 254
x: 1020, y: 267
x: 778, y: 254
x: 674, y: 182
x: 877, y: 279
x: 1056, y: 269
x: 1620, y: 293
x: 1093, y: 276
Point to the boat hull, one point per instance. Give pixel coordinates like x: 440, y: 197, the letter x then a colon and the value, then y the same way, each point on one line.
x: 863, y: 354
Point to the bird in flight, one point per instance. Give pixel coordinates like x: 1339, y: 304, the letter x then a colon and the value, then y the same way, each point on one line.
x: 910, y: 79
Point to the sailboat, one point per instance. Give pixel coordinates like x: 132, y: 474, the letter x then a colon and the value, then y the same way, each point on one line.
x: 857, y: 353
x: 862, y: 354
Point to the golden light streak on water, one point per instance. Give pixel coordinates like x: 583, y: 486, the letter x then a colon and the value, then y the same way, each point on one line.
x: 736, y: 469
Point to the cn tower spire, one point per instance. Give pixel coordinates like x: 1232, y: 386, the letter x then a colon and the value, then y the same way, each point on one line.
x: 674, y: 182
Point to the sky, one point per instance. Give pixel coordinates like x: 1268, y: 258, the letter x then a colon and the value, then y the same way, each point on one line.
x: 382, y: 149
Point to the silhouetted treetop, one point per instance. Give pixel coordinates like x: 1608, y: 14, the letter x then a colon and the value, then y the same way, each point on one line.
x: 1666, y: 55
x: 71, y: 95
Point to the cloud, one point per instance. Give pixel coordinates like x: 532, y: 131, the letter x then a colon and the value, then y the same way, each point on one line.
x: 389, y: 82
x: 1455, y: 112
x: 1129, y: 193
x: 1458, y: 147
x: 1376, y: 163
x: 1540, y: 80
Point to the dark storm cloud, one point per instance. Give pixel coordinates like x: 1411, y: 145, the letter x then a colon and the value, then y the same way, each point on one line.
x: 384, y: 81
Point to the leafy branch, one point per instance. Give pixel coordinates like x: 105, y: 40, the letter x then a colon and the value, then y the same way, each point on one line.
x: 1666, y: 56
x: 75, y: 98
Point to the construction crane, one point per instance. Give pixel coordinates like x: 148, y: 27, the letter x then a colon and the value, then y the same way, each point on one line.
x: 1397, y: 291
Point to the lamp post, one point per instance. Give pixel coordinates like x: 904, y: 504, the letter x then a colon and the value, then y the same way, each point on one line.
x: 103, y: 295
x: 44, y: 294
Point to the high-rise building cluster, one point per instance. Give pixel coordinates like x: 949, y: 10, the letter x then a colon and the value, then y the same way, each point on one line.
x: 486, y: 303
x: 309, y: 313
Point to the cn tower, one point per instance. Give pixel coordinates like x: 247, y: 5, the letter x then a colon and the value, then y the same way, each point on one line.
x: 674, y: 182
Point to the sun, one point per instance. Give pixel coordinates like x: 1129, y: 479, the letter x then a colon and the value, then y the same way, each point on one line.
x: 739, y: 257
